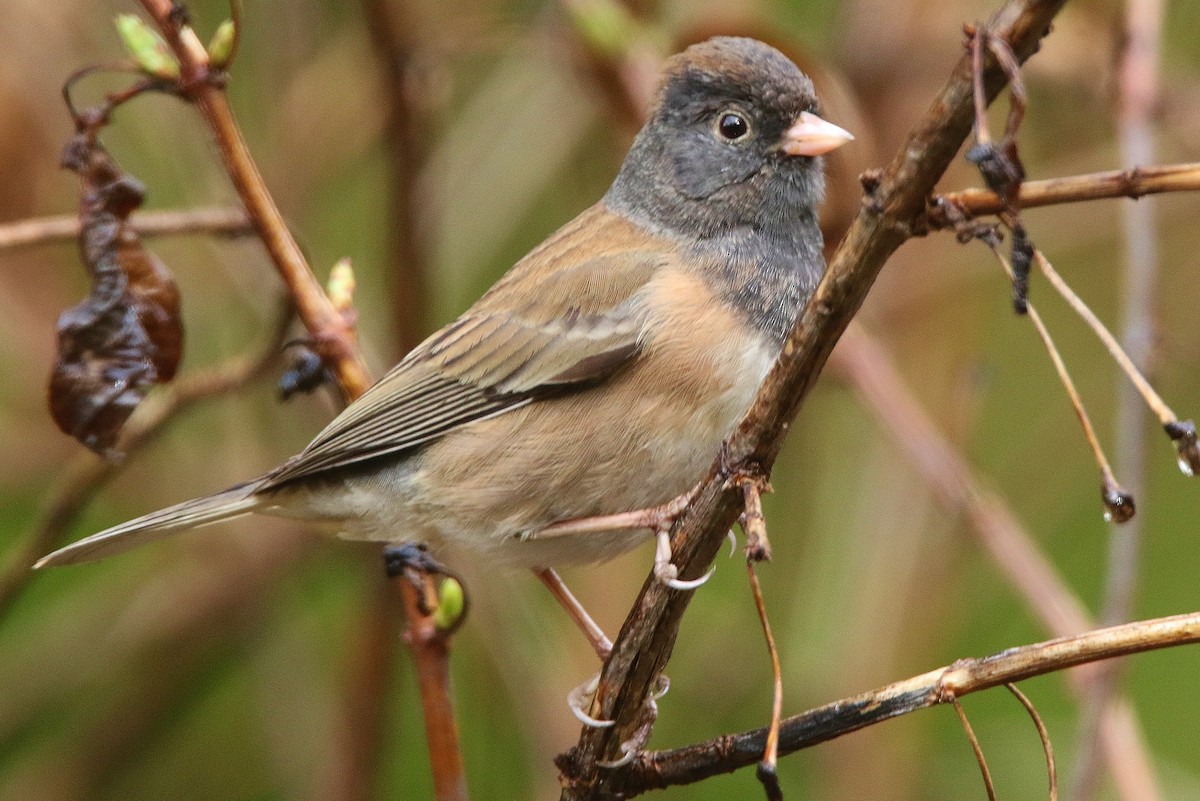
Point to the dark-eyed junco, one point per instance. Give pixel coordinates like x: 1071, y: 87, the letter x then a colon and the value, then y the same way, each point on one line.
x: 600, y: 375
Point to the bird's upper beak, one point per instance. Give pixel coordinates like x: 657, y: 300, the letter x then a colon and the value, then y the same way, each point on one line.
x: 812, y: 136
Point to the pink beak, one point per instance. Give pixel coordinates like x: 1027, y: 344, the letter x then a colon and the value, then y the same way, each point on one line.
x: 812, y: 136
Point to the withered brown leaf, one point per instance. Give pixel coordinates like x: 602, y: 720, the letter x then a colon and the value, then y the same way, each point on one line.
x: 127, y: 335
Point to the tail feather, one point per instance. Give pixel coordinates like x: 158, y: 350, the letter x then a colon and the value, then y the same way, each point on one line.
x: 233, y: 502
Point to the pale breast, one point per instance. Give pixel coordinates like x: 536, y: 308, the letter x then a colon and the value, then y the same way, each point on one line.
x: 637, y: 440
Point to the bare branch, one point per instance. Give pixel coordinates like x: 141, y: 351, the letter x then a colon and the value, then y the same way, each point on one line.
x: 330, y: 332
x: 658, y: 769
x: 1131, y: 183
x: 988, y: 785
x: 63, y: 227
x: 1044, y: 736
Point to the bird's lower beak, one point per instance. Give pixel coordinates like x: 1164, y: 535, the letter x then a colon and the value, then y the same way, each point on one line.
x: 812, y: 136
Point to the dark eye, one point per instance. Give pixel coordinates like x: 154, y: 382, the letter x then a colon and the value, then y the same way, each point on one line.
x: 732, y: 126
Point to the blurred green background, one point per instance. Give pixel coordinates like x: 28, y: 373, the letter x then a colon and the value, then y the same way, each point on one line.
x: 256, y: 661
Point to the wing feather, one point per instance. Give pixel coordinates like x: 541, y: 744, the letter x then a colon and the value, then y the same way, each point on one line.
x: 556, y: 322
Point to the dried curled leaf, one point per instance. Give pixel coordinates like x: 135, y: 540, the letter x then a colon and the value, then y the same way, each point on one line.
x: 126, y: 336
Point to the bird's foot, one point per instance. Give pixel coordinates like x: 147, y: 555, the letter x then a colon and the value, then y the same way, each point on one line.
x: 665, y: 570
x: 582, y: 696
x: 658, y: 519
x: 633, y: 746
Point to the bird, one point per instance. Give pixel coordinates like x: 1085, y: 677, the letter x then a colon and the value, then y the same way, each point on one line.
x: 568, y: 412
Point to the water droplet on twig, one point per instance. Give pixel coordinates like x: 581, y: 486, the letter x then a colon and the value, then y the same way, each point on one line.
x: 1118, y: 503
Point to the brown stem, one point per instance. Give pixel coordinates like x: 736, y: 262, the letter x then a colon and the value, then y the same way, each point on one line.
x: 431, y: 656
x: 1044, y: 736
x: 766, y: 767
x: 64, y: 227
x: 988, y: 785
x: 658, y: 769
x: 1145, y: 392
x: 395, y: 34
x: 883, y: 223
x: 332, y: 337
x: 1131, y: 183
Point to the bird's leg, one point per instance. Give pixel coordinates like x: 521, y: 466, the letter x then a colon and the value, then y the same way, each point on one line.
x: 658, y: 519
x: 581, y: 696
x: 595, y: 635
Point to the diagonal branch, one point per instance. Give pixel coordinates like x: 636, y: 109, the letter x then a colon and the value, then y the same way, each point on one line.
x: 330, y: 331
x: 884, y: 222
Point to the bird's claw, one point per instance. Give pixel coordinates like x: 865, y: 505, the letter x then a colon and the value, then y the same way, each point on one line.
x: 578, y: 697
x: 633, y: 746
x: 667, y: 573
x: 628, y: 751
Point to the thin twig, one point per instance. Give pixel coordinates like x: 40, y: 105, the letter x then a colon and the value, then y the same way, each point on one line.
x: 1043, y: 735
x: 1152, y: 399
x: 1182, y: 433
x: 1133, y: 183
x: 658, y: 769
x: 754, y: 523
x: 1118, y: 503
x: 766, y: 767
x: 431, y: 656
x: 329, y: 330
x: 864, y: 363
x: 988, y: 785
x: 63, y: 227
